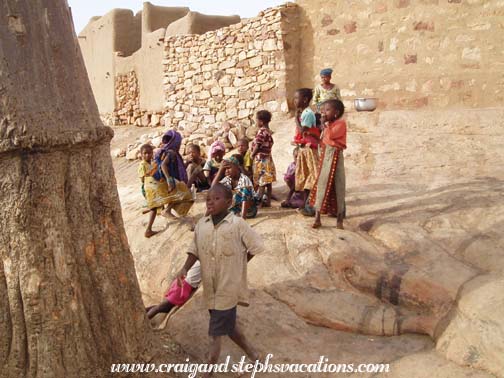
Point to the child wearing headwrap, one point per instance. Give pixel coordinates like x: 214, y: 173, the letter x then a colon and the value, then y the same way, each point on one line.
x: 167, y: 185
x: 325, y: 90
x: 174, y: 165
x: 231, y: 176
x: 217, y: 152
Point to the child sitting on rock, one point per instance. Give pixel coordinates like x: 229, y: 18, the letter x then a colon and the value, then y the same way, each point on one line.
x: 294, y: 199
x: 194, y: 167
x: 231, y: 176
x: 178, y: 293
x: 243, y: 150
x: 217, y: 152
x: 223, y: 243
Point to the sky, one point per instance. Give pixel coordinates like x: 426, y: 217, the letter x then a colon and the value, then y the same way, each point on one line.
x: 83, y: 10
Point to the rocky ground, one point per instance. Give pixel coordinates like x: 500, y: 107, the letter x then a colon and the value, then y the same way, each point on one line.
x: 414, y: 280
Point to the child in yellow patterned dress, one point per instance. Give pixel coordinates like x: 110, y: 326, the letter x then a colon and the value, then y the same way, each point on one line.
x: 145, y: 172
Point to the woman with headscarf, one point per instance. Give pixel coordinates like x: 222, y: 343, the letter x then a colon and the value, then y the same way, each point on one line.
x: 325, y: 90
x: 168, y: 186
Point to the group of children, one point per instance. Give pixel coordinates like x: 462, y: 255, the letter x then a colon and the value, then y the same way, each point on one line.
x: 223, y: 241
x: 319, y: 173
x: 249, y: 174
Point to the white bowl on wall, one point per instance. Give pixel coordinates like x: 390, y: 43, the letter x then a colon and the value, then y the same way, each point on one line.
x: 365, y: 104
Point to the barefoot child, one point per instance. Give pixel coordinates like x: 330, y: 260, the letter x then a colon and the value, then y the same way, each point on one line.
x: 194, y: 167
x: 223, y: 243
x: 307, y: 139
x: 172, y: 190
x: 263, y: 165
x: 328, y: 196
x: 146, y: 170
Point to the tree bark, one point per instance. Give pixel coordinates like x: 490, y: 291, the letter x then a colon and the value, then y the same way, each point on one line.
x: 70, y: 304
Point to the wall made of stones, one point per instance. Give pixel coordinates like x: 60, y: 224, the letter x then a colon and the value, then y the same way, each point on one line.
x: 408, y: 53
x: 127, y: 98
x: 225, y: 76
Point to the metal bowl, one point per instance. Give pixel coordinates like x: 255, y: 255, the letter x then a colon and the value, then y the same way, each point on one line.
x: 365, y: 104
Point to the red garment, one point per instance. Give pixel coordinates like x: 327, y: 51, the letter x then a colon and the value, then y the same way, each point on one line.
x: 310, y: 135
x: 178, y: 295
x: 335, y: 134
x: 330, y: 203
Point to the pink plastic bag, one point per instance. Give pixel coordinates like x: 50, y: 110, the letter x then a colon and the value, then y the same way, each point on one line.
x: 179, y: 295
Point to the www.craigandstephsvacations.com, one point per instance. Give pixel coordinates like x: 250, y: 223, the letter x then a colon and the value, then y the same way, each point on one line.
x: 243, y: 366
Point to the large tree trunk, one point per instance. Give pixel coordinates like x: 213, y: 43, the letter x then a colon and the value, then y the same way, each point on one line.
x: 70, y: 304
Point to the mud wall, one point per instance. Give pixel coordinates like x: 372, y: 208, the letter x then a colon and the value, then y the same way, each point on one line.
x: 117, y: 31
x: 408, y: 53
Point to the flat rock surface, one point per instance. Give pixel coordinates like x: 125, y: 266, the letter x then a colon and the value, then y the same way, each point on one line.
x: 398, y: 285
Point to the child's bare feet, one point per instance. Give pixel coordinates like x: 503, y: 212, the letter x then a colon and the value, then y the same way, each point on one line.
x: 145, y: 211
x: 150, y: 233
x: 339, y: 225
x: 317, y: 223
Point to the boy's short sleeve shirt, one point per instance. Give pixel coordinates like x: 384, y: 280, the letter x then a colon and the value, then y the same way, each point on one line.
x: 222, y: 252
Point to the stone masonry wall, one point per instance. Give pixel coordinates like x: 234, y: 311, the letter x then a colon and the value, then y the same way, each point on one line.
x: 409, y: 53
x: 218, y: 80
x: 127, y: 99
x: 128, y: 110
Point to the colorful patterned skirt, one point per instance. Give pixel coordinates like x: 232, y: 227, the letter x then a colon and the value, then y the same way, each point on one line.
x: 328, y: 195
x: 306, y: 168
x: 242, y: 195
x: 264, y: 171
x: 157, y: 195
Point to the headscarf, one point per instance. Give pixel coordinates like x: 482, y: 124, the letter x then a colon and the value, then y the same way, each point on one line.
x: 326, y: 72
x: 217, y: 146
x: 233, y: 160
x: 172, y: 141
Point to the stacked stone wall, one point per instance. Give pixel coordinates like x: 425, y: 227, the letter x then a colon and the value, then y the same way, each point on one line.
x: 128, y: 110
x: 217, y: 81
x: 127, y: 99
